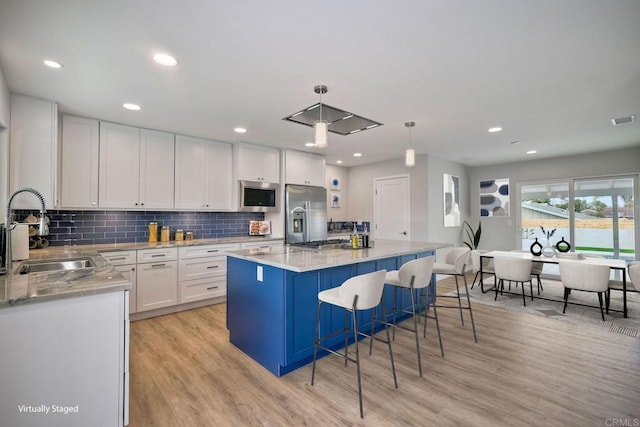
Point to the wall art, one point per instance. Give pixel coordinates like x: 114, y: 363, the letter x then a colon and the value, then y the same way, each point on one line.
x: 451, y: 199
x: 494, y: 197
x: 335, y: 183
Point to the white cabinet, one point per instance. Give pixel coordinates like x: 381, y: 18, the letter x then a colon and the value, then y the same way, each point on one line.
x: 203, y: 179
x: 304, y: 168
x: 79, y: 165
x: 203, y: 271
x: 256, y: 163
x: 136, y: 167
x: 262, y: 245
x: 157, y: 278
x: 125, y: 263
x: 34, y: 148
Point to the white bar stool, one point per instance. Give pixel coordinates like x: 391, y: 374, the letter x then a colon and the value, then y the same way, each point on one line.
x: 415, y: 274
x: 361, y: 292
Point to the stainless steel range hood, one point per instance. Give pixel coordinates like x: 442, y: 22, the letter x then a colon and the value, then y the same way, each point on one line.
x: 340, y: 121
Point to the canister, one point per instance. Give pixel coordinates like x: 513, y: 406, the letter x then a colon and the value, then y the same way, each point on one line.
x: 165, y: 233
x: 153, y: 232
x: 179, y: 235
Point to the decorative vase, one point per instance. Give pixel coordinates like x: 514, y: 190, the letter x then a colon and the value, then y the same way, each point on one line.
x: 548, y: 250
x: 563, y: 246
x: 536, y: 248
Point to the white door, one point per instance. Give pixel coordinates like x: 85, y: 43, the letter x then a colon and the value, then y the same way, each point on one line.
x: 392, y: 208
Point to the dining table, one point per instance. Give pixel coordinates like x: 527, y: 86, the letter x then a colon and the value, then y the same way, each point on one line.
x: 614, y: 264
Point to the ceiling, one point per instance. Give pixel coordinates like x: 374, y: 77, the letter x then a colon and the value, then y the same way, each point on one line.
x: 551, y: 73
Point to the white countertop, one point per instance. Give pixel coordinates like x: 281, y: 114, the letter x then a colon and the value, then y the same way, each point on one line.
x: 298, y: 259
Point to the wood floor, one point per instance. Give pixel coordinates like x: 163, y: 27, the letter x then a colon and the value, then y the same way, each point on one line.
x: 524, y: 370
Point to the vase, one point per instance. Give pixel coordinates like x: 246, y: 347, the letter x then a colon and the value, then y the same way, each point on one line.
x: 548, y: 250
x: 536, y: 248
x: 563, y: 246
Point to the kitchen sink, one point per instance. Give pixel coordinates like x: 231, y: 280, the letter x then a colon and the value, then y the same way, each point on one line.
x: 66, y: 264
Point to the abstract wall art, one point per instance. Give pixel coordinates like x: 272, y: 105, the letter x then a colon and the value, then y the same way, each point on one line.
x: 451, y: 198
x: 494, y: 197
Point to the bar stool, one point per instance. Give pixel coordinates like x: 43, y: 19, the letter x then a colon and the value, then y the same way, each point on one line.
x: 358, y: 293
x: 455, y: 263
x: 415, y: 274
x: 513, y: 269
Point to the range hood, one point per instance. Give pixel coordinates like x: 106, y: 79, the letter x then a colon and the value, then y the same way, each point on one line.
x: 340, y: 121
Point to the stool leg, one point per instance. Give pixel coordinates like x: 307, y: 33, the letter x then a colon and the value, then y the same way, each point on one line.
x: 393, y: 366
x: 354, y: 316
x: 315, y: 344
x: 395, y: 309
x: 415, y: 325
x: 435, y: 316
x: 473, y: 325
x: 346, y: 337
x: 459, y: 301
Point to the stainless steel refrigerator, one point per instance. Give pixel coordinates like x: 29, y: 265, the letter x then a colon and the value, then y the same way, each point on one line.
x: 306, y: 213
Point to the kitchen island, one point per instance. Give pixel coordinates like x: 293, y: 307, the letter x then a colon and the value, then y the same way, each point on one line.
x: 272, y: 296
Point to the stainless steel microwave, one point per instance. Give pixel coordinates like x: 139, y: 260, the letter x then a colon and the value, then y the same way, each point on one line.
x: 259, y: 196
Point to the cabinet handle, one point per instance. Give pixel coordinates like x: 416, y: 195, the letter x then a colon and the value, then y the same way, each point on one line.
x: 94, y: 203
x: 212, y: 266
x: 141, y: 204
x: 212, y: 287
x: 158, y: 265
x: 136, y: 203
x: 120, y: 258
x: 213, y: 250
x: 133, y: 269
x: 158, y: 255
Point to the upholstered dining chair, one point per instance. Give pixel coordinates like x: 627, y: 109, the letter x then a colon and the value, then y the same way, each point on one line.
x: 575, y: 275
x: 513, y: 269
x: 487, y: 266
x: 455, y: 263
x: 633, y: 281
x: 413, y: 275
x: 362, y: 292
x: 536, y: 269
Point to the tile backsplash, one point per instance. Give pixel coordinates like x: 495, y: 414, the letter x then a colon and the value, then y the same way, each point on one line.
x: 99, y: 227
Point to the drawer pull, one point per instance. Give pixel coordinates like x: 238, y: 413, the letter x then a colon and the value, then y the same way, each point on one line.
x: 212, y: 266
x: 158, y: 255
x: 212, y: 287
x: 158, y: 265
x: 120, y: 258
x: 213, y: 250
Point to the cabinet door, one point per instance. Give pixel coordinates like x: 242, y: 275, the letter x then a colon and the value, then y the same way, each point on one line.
x: 157, y: 285
x: 258, y: 163
x: 119, y: 166
x: 315, y: 170
x: 190, y: 173
x: 129, y: 272
x: 295, y: 168
x: 79, y: 174
x: 34, y: 124
x: 156, y: 169
x: 219, y: 176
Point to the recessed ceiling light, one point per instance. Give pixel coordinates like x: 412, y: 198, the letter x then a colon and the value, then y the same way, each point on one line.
x: 495, y: 129
x: 338, y: 161
x: 516, y: 142
x: 357, y: 154
x: 309, y: 144
x: 240, y: 130
x: 164, y: 59
x: 132, y: 107
x: 531, y: 152
x: 52, y: 64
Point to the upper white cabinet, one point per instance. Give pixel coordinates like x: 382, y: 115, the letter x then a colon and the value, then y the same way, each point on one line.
x: 203, y: 178
x: 34, y: 148
x: 79, y: 166
x: 256, y: 163
x: 304, y: 168
x: 136, y: 167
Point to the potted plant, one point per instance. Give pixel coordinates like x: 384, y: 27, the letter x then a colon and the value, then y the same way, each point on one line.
x: 472, y: 236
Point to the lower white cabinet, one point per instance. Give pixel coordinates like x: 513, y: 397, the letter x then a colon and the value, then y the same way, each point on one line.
x: 203, y: 271
x: 267, y: 244
x: 157, y: 278
x: 125, y: 264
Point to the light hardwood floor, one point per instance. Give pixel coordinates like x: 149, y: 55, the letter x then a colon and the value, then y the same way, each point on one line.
x: 524, y: 370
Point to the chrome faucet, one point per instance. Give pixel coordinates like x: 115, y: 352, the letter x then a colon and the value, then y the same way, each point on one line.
x: 43, y: 229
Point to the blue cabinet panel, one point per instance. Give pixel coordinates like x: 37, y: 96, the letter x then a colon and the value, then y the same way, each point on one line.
x: 302, y: 301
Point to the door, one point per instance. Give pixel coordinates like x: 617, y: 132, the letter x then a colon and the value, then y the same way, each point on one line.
x: 392, y: 208
x: 317, y: 213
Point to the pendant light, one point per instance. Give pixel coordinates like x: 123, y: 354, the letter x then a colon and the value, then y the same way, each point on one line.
x: 321, y: 126
x: 410, y: 154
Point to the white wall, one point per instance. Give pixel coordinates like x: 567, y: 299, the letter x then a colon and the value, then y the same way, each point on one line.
x: 341, y: 213
x: 5, y: 108
x: 502, y: 232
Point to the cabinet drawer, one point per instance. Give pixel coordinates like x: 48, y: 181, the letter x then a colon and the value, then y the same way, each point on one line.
x: 153, y: 255
x: 206, y: 250
x: 195, y: 290
x: 199, y: 268
x: 120, y: 257
x: 267, y: 244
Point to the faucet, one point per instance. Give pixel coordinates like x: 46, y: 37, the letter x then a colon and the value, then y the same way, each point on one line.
x: 43, y: 229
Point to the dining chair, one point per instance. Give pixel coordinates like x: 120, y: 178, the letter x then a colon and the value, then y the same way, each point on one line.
x: 455, y: 263
x: 412, y: 275
x: 633, y: 282
x: 362, y: 292
x: 576, y: 275
x: 536, y: 269
x: 513, y: 269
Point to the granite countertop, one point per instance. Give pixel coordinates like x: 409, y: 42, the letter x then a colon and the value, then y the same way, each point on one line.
x: 34, y: 287
x: 299, y: 259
